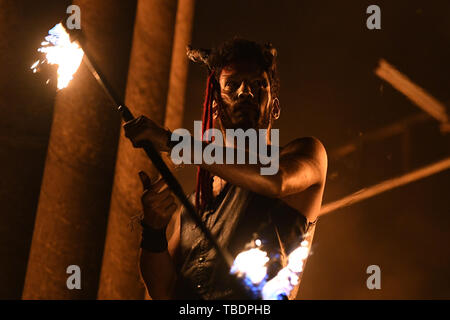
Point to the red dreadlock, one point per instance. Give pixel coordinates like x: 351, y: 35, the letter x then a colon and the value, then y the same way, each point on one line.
x: 203, y: 194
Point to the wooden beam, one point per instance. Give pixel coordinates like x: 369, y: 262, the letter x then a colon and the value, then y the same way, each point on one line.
x: 413, y: 92
x: 386, y: 185
x: 390, y: 130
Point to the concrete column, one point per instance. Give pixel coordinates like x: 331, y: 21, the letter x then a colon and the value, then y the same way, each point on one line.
x: 180, y: 63
x: 147, y: 91
x: 73, y: 206
x: 27, y: 105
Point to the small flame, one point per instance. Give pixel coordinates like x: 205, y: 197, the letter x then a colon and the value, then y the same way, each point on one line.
x: 251, y: 265
x: 296, y: 258
x: 60, y: 51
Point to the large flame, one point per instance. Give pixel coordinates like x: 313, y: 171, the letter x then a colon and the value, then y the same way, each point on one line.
x: 251, y: 265
x: 60, y: 51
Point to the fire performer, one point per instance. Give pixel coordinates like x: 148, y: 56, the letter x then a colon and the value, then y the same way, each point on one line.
x: 237, y: 203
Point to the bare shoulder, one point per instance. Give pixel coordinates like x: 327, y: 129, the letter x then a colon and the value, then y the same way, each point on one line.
x: 307, y: 159
x: 307, y: 146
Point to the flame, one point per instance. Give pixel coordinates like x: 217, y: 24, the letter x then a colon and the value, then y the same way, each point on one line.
x: 60, y: 51
x: 287, y: 278
x: 251, y: 265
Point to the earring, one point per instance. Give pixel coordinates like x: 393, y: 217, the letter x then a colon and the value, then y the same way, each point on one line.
x: 276, y: 109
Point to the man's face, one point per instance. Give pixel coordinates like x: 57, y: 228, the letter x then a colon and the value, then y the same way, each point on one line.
x: 245, y: 98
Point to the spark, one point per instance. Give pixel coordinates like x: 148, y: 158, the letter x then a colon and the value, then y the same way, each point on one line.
x: 35, y: 64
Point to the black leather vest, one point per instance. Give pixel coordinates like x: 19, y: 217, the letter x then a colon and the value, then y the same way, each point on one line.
x: 237, y: 217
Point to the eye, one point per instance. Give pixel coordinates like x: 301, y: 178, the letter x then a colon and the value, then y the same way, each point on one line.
x: 263, y: 83
x: 230, y: 84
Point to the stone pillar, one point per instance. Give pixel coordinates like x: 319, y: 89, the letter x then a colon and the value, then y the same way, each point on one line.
x: 178, y: 82
x: 147, y: 90
x: 75, y: 194
x: 180, y: 63
x: 27, y: 104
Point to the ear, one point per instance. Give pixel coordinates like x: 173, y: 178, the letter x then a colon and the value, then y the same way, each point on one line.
x: 274, y: 52
x: 276, y: 109
x: 271, y: 49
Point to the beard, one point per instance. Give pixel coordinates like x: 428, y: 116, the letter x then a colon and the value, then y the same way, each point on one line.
x: 241, y: 115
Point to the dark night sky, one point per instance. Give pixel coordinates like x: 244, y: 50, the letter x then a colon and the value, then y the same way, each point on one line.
x: 326, y: 59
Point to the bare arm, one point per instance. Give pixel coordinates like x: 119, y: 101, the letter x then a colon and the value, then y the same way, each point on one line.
x: 158, y: 268
x: 158, y: 273
x: 302, y: 163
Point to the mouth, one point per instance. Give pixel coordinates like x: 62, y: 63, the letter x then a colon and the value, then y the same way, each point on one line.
x: 246, y: 108
x: 245, y: 116
x: 242, y: 114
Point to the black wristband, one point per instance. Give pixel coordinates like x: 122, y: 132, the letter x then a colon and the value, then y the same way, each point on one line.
x: 153, y: 240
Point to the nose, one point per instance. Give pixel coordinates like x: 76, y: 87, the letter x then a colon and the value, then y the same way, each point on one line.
x: 244, y: 91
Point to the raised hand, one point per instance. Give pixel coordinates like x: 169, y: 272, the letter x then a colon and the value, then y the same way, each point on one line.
x: 157, y: 201
x: 142, y: 129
